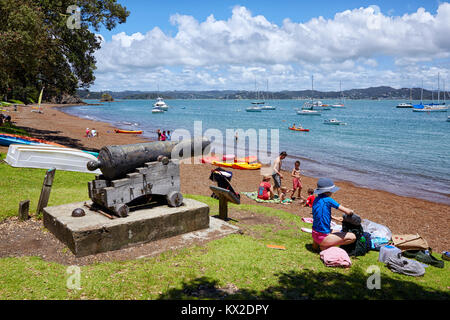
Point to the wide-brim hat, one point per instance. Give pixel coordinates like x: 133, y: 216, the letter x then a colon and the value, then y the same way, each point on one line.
x: 325, y: 185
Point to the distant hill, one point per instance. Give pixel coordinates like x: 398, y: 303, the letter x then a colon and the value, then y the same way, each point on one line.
x: 382, y: 92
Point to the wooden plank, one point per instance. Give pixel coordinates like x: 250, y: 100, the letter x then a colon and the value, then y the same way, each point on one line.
x: 46, y: 189
x: 24, y: 207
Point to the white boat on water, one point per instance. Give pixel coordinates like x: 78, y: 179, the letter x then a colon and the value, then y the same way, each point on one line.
x: 430, y: 108
x: 266, y: 107
x: 157, y: 110
x: 404, y: 105
x: 309, y: 113
x: 334, y: 122
x: 341, y: 103
x: 254, y: 109
x: 48, y: 156
x: 161, y: 104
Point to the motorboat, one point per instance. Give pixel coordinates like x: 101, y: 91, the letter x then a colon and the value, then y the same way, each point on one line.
x: 265, y: 107
x: 404, y: 105
x: 334, y: 122
x: 48, y: 156
x: 309, y: 113
x: 254, y: 109
x: 157, y: 110
x: 161, y: 104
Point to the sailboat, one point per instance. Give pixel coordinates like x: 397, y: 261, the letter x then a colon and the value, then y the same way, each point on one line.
x: 431, y: 107
x: 341, y: 103
x: 159, y: 105
x: 307, y: 109
x: 404, y: 104
x: 255, y: 107
x: 265, y: 106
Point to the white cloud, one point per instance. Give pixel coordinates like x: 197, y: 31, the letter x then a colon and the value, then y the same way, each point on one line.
x: 235, y: 51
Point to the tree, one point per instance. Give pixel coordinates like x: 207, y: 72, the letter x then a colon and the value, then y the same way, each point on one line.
x: 37, y: 48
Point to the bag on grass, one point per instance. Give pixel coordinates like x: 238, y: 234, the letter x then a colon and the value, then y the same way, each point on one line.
x: 376, y: 230
x: 410, y: 242
x: 402, y: 265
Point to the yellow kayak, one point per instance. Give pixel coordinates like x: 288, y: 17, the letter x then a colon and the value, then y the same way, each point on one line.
x: 223, y: 164
x: 246, y: 166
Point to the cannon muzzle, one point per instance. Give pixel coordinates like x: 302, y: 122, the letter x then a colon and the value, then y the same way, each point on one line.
x: 116, y: 161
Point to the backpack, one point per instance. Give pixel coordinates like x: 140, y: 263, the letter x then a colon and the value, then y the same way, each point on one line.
x: 402, y: 265
x: 363, y: 242
x: 410, y: 242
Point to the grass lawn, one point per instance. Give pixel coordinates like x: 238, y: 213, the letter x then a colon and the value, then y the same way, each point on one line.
x: 239, y: 264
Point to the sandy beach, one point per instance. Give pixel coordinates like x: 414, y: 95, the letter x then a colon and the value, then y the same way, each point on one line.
x: 401, y: 214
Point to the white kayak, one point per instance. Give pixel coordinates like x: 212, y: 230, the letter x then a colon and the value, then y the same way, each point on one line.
x: 47, y: 157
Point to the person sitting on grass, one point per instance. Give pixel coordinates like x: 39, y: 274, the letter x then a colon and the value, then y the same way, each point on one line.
x: 310, y: 200
x: 265, y: 190
x: 321, y: 230
x: 283, y: 195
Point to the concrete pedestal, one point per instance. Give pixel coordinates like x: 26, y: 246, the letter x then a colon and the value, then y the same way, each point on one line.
x: 95, y: 233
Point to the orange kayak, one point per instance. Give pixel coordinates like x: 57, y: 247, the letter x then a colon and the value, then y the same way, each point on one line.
x: 129, y: 131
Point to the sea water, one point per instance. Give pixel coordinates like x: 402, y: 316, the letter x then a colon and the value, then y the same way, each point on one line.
x: 381, y: 147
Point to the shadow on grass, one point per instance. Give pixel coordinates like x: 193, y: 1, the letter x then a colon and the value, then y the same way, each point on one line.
x: 309, y: 284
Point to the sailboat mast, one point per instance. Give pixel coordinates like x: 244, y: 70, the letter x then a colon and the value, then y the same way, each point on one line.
x: 421, y: 94
x: 439, y: 91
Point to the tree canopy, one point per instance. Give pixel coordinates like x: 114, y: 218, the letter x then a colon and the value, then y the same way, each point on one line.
x: 40, y: 48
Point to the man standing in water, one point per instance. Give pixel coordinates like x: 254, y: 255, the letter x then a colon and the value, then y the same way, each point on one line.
x: 276, y: 172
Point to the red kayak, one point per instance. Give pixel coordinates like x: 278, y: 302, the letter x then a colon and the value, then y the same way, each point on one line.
x: 299, y: 129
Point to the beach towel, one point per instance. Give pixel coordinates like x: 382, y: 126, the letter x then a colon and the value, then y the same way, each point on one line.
x: 254, y: 196
x: 308, y: 220
x: 335, y: 257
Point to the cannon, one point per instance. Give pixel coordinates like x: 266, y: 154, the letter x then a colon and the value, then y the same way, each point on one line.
x: 135, y: 173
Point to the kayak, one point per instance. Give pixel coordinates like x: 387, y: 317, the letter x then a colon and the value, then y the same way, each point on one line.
x: 298, y: 129
x: 209, y: 159
x: 246, y: 166
x: 227, y: 157
x: 26, y: 140
x: 223, y: 164
x: 248, y: 159
x: 129, y: 131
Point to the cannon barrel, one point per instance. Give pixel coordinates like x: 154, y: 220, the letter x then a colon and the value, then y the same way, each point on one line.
x: 116, y: 161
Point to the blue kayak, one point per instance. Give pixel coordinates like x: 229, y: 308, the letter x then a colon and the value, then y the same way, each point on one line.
x: 6, y: 141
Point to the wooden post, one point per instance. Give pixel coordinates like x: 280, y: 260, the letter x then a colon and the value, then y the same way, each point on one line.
x: 223, y: 208
x: 24, y: 207
x: 46, y: 188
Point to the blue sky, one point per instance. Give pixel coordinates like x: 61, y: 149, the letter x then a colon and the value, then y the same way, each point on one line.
x: 178, y: 45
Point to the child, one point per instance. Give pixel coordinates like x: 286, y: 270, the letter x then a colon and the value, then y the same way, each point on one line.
x: 283, y: 195
x: 309, y: 202
x: 265, y: 190
x: 297, y: 182
x: 321, y: 229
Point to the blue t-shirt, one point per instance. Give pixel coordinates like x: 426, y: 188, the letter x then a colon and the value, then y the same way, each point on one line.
x: 322, y: 213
